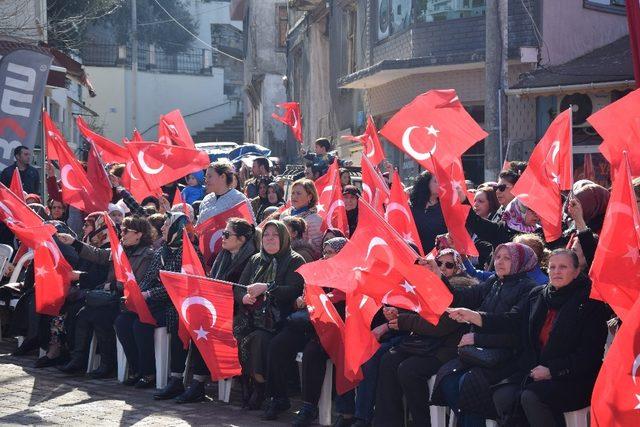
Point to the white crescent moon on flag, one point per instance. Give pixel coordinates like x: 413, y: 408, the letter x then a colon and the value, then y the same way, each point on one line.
x: 555, y: 147
x: 368, y: 192
x: 325, y: 189
x: 634, y: 369
x: 145, y: 167
x: 378, y: 241
x: 64, y: 177
x: 332, y: 208
x: 372, y: 146
x: 406, y: 144
x: 54, y: 252
x: 214, y: 239
x: 323, y: 299
x: 363, y: 301
x: 395, y: 206
x: 130, y: 172
x: 198, y: 301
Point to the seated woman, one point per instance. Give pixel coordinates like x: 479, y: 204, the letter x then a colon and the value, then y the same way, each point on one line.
x: 135, y: 336
x: 563, y: 334
x: 304, y: 198
x: 450, y: 263
x: 461, y: 384
x: 297, y: 229
x: 238, y: 245
x: 272, y: 288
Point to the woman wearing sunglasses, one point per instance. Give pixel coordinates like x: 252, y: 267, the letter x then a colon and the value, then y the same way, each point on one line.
x: 450, y: 263
x: 238, y: 245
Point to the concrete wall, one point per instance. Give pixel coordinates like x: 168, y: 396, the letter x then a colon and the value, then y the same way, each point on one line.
x: 569, y: 30
x: 157, y: 94
x: 213, y: 12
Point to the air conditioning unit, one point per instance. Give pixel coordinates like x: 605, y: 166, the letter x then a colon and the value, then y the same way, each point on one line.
x: 583, y: 105
x: 384, y: 18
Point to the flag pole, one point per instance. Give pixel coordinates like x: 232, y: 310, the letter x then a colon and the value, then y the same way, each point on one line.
x: 209, y: 278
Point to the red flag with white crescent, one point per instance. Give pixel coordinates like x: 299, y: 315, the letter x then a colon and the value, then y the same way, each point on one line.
x: 398, y: 213
x: 372, y: 148
x: 291, y: 118
x: 330, y: 204
x: 173, y: 129
x: 191, y: 264
x: 16, y: 184
x: 375, y: 190
x: 110, y: 151
x: 206, y: 308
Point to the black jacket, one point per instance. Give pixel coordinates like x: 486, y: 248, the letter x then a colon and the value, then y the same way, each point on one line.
x: 430, y: 223
x: 29, y: 177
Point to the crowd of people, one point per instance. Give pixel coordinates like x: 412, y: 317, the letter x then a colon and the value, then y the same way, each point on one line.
x: 522, y: 342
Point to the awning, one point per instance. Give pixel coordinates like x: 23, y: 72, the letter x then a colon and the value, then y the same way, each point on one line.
x: 606, y: 68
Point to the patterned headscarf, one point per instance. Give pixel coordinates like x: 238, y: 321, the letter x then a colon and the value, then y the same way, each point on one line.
x: 523, y: 258
x: 177, y: 222
x: 100, y: 235
x: 457, y: 259
x: 337, y: 243
x: 513, y: 216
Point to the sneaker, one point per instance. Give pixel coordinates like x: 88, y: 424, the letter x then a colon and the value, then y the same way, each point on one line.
x: 306, y: 415
x: 275, y: 407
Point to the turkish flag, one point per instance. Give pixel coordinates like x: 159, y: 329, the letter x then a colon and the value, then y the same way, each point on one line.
x: 16, y: 184
x: 375, y: 190
x: 330, y: 202
x: 97, y: 175
x: 291, y: 118
x: 330, y: 329
x: 549, y: 171
x: 173, y: 129
x: 110, y: 151
x: 588, y: 169
x: 616, y: 395
x: 398, y: 213
x: 358, y: 338
x: 619, y: 126
x: 14, y: 210
x: 454, y: 212
x: 206, y: 307
x: 633, y: 21
x: 372, y: 148
x: 162, y: 164
x: 191, y: 264
x: 134, y: 300
x: 133, y: 180
x: 210, y: 231
x: 434, y: 124
x: 76, y: 188
x: 615, y: 271
x: 136, y: 137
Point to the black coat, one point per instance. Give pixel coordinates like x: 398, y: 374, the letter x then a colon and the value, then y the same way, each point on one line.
x: 430, y: 223
x: 575, y: 347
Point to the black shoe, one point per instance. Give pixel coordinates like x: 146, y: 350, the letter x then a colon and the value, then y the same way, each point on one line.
x: 103, y: 372
x: 306, y: 415
x: 341, y: 421
x: 45, y: 362
x: 132, y: 380
x: 247, y: 390
x: 275, y: 407
x: 173, y: 389
x: 75, y: 366
x: 360, y: 423
x: 193, y: 393
x: 146, y: 382
x: 27, y: 347
x: 257, y: 397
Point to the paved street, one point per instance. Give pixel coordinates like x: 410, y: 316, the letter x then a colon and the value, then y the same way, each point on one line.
x: 46, y: 396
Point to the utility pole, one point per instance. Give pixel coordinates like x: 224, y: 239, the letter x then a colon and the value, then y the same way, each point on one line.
x: 134, y: 65
x: 495, y: 76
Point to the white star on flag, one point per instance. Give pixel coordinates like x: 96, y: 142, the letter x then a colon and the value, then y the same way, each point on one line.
x: 407, y: 237
x: 320, y: 207
x: 41, y: 271
x: 632, y: 253
x: 408, y: 288
x: 310, y: 308
x: 201, y: 333
x: 417, y: 308
x: 166, y: 152
x: 130, y: 276
x: 432, y: 131
x: 638, y: 405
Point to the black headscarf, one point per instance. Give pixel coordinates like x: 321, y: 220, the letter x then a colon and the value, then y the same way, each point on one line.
x: 266, y: 271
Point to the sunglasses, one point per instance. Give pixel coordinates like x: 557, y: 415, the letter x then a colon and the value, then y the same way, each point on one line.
x: 502, y: 187
x: 226, y: 234
x: 450, y: 265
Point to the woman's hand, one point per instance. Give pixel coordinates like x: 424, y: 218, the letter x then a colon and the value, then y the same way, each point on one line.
x: 379, y: 331
x: 146, y: 295
x: 257, y: 289
x: 390, y: 313
x: 467, y: 339
x: 300, y: 303
x: 248, y: 300
x: 393, y: 324
x: 74, y: 276
x: 8, y: 269
x: 540, y: 373
x: 66, y: 239
x: 464, y: 315
x: 576, y: 213
x: 430, y: 263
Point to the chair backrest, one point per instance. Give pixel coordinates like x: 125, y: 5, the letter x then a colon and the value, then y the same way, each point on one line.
x: 5, y: 255
x: 19, y: 265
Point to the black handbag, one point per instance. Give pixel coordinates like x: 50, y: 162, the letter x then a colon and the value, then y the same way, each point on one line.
x: 101, y: 298
x: 483, y: 357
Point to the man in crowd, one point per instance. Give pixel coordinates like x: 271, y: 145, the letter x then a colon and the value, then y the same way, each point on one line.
x: 28, y: 174
x: 259, y: 169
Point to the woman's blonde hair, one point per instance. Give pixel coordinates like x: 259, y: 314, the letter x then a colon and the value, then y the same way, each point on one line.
x: 310, y: 188
x: 535, y: 242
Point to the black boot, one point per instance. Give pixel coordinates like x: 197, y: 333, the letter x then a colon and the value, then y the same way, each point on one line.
x: 305, y: 417
x: 75, y: 366
x: 28, y: 345
x: 275, y: 406
x: 104, y: 371
x: 173, y: 389
x: 257, y: 397
x: 193, y: 393
x: 247, y: 390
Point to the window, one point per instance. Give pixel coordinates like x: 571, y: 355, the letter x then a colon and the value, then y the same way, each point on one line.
x: 282, y: 25
x: 442, y: 10
x: 351, y: 28
x: 610, y: 6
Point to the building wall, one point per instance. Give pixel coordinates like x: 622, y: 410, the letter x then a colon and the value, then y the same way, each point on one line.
x: 158, y: 94
x: 21, y: 18
x: 569, y: 30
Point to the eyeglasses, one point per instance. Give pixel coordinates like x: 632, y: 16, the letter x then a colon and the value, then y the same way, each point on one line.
x: 450, y: 265
x: 226, y: 234
x: 502, y: 187
x: 125, y: 230
x: 326, y: 253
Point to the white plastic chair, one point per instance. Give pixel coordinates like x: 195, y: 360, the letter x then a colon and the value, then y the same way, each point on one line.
x: 224, y: 389
x: 93, y: 361
x: 20, y: 265
x: 579, y: 418
x: 438, y: 414
x: 161, y: 346
x: 6, y: 252
x: 123, y: 366
x: 324, y: 405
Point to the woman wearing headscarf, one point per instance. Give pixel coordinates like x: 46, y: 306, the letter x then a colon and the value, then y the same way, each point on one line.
x: 450, y: 263
x: 563, y: 333
x: 275, y: 198
x: 463, y: 384
x: 98, y: 312
x: 238, y: 245
x: 351, y: 195
x: 272, y: 288
x: 137, y: 337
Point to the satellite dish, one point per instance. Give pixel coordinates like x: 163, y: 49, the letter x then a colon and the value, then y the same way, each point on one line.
x: 581, y: 107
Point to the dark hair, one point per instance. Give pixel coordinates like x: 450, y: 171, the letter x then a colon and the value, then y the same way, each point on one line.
x: 51, y: 201
x: 490, y: 192
x: 40, y: 210
x: 196, y: 208
x: 141, y: 225
x: 278, y: 190
x: 535, y: 242
x: 117, y: 170
x: 567, y: 252
x: 242, y: 228
x: 510, y: 176
x: 297, y: 224
x: 324, y: 143
x: 636, y: 187
x: 150, y: 210
x: 223, y: 168
x: 310, y: 188
x: 420, y: 193
x: 157, y: 221
x: 262, y: 161
x: 150, y: 199
x: 18, y: 150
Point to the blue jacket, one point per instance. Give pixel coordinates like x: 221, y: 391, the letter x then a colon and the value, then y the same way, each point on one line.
x: 193, y: 194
